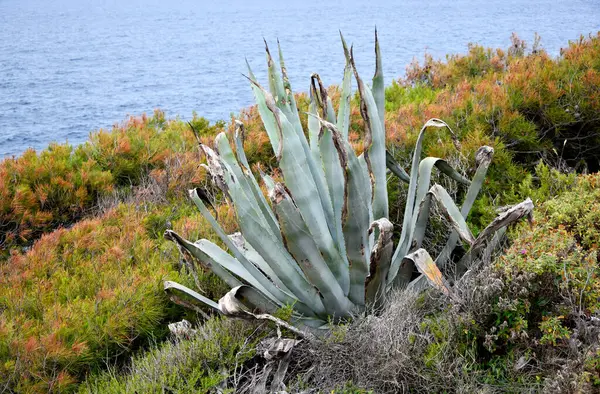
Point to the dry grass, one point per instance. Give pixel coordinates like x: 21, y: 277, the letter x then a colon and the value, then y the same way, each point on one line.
x: 410, y: 347
x: 430, y: 344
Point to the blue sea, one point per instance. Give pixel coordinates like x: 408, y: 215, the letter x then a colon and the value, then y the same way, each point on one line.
x: 69, y: 67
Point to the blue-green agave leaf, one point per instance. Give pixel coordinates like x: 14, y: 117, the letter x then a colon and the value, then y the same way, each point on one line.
x: 374, y: 143
x: 303, y: 247
x: 334, y: 159
x: 395, y: 168
x: 253, y: 184
x: 305, y: 194
x: 284, y: 298
x: 407, y: 223
x: 378, y: 85
x: 173, y: 287
x: 343, y: 117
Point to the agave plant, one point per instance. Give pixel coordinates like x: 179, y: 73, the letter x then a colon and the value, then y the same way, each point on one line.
x: 323, y: 243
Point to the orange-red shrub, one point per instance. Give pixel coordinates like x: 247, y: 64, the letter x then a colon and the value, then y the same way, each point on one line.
x: 81, y: 297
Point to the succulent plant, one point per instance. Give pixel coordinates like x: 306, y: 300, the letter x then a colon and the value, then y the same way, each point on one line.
x: 323, y: 243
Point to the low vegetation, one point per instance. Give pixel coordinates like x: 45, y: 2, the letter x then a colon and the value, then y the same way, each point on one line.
x: 84, y: 298
x: 80, y: 298
x: 211, y: 360
x: 524, y: 322
x: 83, y: 258
x: 62, y: 184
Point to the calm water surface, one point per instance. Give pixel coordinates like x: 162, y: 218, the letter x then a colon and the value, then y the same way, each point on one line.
x: 68, y: 67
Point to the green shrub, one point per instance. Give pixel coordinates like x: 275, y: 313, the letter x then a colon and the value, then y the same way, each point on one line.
x: 526, y: 106
x: 140, y: 144
x: 62, y: 184
x: 206, y: 363
x: 39, y: 192
x: 542, y: 185
x: 553, y: 330
x: 398, y: 95
x: 526, y: 322
x: 550, y: 285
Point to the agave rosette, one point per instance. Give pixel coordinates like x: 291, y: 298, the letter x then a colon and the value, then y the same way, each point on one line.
x: 322, y: 241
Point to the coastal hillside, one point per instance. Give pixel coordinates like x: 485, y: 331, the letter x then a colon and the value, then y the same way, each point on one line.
x: 83, y: 257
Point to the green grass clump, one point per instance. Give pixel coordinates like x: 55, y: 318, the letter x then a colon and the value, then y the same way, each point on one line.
x: 398, y: 95
x: 205, y: 363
